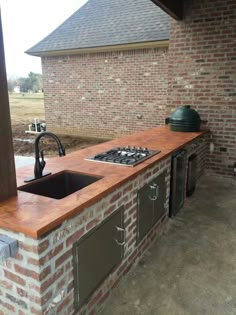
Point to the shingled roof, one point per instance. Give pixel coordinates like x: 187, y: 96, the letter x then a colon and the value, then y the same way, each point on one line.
x: 102, y: 23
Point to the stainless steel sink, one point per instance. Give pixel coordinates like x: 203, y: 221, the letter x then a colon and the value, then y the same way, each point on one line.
x: 59, y: 185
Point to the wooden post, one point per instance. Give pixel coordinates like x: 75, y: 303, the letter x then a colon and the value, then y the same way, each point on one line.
x: 7, y: 165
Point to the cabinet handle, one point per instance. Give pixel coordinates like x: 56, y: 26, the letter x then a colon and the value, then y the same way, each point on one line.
x: 118, y: 243
x: 119, y: 229
x: 155, y: 192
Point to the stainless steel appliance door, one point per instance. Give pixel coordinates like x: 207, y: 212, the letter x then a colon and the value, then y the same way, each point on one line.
x: 96, y: 254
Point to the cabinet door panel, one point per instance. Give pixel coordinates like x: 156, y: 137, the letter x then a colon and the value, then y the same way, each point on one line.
x: 159, y: 203
x: 96, y: 255
x: 151, y: 204
x: 145, y: 212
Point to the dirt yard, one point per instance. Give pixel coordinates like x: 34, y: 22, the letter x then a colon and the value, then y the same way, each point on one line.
x: 24, y: 108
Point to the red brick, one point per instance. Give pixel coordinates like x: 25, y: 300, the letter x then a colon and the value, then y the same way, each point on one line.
x: 52, y: 253
x: 92, y: 223
x: 46, y: 284
x: 36, y: 311
x: 47, y: 297
x: 35, y: 299
x: 127, y: 189
x: 132, y: 210
x: 76, y: 236
x: 6, y: 285
x: 43, y: 246
x: 116, y: 282
x: 115, y: 197
x: 33, y: 261
x: 109, y: 211
x: 45, y: 273
x: 94, y: 300
x: 22, y: 292
x: 64, y: 304
x: 7, y: 306
x: 63, y: 258
x: 14, y: 278
x: 26, y: 272
x: 104, y: 298
x: 28, y: 248
x: 19, y: 257
x: 132, y: 226
x: 34, y: 287
x: 128, y: 204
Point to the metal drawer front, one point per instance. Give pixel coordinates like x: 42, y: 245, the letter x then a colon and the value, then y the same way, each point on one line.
x: 145, y: 211
x: 151, y: 204
x: 159, y: 203
x: 96, y: 254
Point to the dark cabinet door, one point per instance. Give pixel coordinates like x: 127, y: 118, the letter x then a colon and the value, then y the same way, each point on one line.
x: 145, y: 211
x: 159, y: 203
x: 151, y: 204
x: 96, y: 254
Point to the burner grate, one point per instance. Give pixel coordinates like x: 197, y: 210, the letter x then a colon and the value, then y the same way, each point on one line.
x: 126, y: 156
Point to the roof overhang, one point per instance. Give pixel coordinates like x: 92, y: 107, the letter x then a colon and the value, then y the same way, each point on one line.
x: 172, y: 7
x: 152, y: 44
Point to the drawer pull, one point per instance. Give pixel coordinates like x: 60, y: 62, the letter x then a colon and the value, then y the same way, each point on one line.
x: 155, y: 192
x: 120, y: 230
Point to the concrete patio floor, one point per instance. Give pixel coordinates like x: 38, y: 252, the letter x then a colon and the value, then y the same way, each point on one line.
x: 191, y: 269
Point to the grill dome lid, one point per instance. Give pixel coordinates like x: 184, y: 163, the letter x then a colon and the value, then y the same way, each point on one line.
x: 185, y: 114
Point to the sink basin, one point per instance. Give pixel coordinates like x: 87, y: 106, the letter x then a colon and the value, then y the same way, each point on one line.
x: 59, y: 185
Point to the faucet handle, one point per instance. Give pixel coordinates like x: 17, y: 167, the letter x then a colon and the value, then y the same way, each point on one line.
x: 42, y: 162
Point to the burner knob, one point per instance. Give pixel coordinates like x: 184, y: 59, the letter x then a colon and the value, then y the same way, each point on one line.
x: 145, y: 149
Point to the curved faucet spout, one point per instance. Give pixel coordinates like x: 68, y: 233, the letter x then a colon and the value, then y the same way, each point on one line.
x: 40, y: 164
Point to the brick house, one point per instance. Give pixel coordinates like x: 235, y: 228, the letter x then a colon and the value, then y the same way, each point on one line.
x: 125, y: 88
x: 105, y: 69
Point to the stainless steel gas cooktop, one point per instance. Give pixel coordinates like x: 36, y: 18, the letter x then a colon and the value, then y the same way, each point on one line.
x: 126, y: 156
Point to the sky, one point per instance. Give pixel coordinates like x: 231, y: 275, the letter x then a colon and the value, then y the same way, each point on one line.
x: 25, y: 23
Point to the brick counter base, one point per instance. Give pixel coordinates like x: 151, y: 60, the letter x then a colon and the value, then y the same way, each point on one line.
x: 39, y: 280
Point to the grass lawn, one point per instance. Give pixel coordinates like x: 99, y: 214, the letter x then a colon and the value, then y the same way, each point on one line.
x: 25, y: 107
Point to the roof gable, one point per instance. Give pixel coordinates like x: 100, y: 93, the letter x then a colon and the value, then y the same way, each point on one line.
x: 102, y: 23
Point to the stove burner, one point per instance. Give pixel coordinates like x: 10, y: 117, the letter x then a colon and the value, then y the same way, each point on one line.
x: 128, y: 156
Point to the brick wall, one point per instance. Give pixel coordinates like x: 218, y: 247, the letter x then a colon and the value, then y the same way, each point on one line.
x: 202, y: 73
x: 39, y: 280
x: 105, y: 94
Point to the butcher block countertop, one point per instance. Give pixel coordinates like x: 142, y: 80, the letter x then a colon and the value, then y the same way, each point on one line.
x: 36, y: 215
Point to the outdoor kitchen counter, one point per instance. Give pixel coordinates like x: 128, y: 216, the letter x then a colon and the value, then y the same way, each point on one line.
x: 36, y: 215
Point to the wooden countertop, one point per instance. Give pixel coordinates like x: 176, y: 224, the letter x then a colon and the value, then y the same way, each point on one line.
x: 35, y: 215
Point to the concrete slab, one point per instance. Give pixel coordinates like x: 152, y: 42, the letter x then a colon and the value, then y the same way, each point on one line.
x: 191, y: 269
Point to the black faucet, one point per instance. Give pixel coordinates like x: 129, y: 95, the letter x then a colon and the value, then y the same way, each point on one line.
x: 40, y: 164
